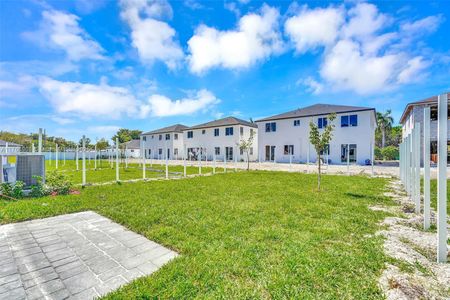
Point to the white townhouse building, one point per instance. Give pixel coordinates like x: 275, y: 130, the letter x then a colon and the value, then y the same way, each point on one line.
x: 220, y: 139
x: 133, y: 148
x: 165, y: 142
x: 413, y: 114
x: 287, y: 134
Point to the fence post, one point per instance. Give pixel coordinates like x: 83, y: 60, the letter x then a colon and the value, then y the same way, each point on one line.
x: 84, y: 160
x: 184, y: 160
x: 126, y: 156
x: 142, y: 157
x: 442, y: 179
x: 56, y: 155
x: 426, y: 168
x: 307, y: 159
x: 40, y: 141
x: 417, y: 170
x: 95, y: 157
x: 373, y: 157
x: 348, y: 159
x: 76, y: 157
x: 167, y: 166
x: 200, y: 162
x: 225, y: 162
x: 235, y: 160
x: 117, y: 160
x: 214, y: 162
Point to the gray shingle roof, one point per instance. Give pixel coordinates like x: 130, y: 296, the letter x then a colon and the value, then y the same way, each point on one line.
x: 133, y: 144
x: 427, y: 101
x: 10, y: 144
x: 316, y: 110
x: 228, y: 121
x: 173, y: 128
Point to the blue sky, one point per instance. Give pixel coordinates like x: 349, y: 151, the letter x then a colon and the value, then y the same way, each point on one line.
x: 91, y: 67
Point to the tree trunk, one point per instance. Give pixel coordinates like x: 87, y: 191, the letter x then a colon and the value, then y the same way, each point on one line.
x: 248, y: 161
x: 318, y: 176
x: 383, y: 136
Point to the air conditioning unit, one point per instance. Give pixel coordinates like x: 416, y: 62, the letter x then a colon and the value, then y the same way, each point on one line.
x: 22, y: 167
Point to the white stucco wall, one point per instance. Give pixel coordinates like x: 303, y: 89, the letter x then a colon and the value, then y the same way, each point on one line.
x: 153, y: 143
x: 286, y: 133
x: 209, y: 142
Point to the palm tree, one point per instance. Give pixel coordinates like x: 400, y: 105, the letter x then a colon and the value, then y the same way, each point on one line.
x: 384, y: 122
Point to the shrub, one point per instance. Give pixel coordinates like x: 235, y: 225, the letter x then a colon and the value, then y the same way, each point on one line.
x: 389, y: 152
x: 39, y: 189
x: 14, y: 190
x: 378, y: 154
x: 58, y: 183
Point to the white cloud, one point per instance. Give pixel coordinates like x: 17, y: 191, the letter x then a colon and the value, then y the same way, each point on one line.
x: 162, y: 106
x: 361, y: 51
x: 61, y: 31
x: 365, y: 20
x: 88, y: 100
x: 346, y: 67
x: 256, y: 38
x: 312, y: 85
x: 311, y: 28
x: 426, y: 25
x: 153, y: 39
x: 412, y: 71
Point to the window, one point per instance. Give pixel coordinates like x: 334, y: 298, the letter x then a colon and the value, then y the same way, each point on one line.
x: 216, y: 131
x: 229, y: 131
x: 217, y: 150
x: 160, y: 137
x: 348, y: 153
x: 241, y: 130
x: 160, y: 151
x: 251, y: 131
x: 296, y: 122
x: 344, y: 121
x: 271, y: 127
x: 251, y: 151
x: 175, y: 136
x: 190, y: 134
x: 322, y: 122
x: 203, y: 131
x: 229, y: 153
x: 288, y: 149
x: 353, y: 120
x: 175, y: 151
x: 326, y: 151
x: 167, y: 136
x: 242, y: 151
x: 144, y: 138
x: 153, y: 137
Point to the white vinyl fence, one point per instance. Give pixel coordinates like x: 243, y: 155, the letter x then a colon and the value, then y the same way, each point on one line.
x: 410, y: 150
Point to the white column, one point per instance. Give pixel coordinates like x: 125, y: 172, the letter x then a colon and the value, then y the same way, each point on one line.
x: 167, y: 166
x: 84, y: 161
x: 426, y: 168
x: 76, y: 157
x: 117, y: 160
x: 442, y: 179
x: 235, y: 160
x: 56, y: 156
x: 64, y: 156
x: 417, y: 169
x: 95, y: 157
x: 33, y: 150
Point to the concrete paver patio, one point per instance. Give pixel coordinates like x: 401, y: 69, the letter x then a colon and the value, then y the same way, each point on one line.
x: 76, y: 256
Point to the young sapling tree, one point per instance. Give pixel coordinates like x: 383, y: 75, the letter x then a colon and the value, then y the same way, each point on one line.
x: 245, y: 145
x: 321, y: 140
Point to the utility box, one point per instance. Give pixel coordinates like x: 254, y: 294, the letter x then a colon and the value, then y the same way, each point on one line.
x: 22, y: 167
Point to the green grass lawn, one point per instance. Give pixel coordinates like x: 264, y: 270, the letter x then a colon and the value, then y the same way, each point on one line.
x: 246, y: 235
x: 105, y: 173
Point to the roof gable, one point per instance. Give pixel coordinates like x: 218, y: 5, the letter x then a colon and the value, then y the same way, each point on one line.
x: 228, y: 121
x: 173, y: 128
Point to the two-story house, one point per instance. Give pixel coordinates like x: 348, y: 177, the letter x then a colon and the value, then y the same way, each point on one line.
x: 285, y: 136
x: 165, y: 142
x: 414, y: 113
x: 220, y: 139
